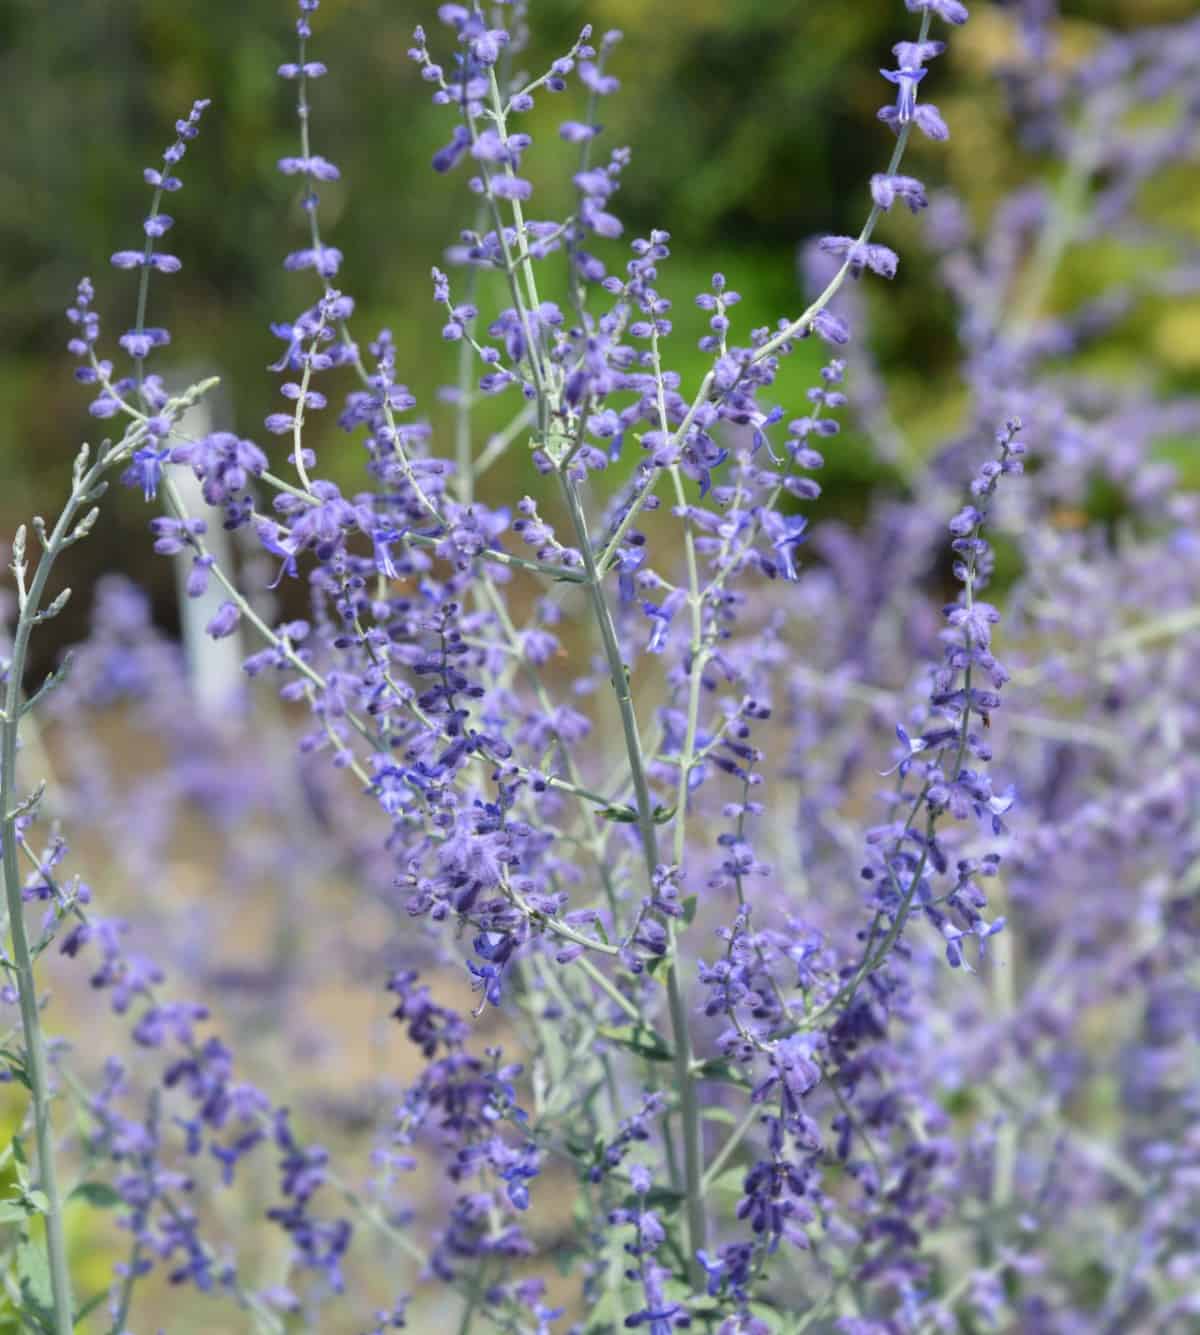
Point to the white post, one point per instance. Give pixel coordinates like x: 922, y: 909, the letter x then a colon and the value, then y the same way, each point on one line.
x: 214, y: 666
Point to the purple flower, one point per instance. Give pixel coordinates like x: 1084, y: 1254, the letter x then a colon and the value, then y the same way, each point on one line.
x: 951, y: 11
x: 906, y: 81
x: 661, y: 618
x: 161, y: 181
x: 326, y: 260
x: 137, y: 259
x: 224, y: 621
x: 146, y: 470
x: 785, y: 533
x: 860, y: 255
x: 929, y: 121
x: 139, y: 342
x: 445, y: 158
x: 885, y: 190
x: 310, y: 69
x: 314, y: 166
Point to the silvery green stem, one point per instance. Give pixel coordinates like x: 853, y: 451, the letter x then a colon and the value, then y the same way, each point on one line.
x: 802, y: 325
x: 87, y: 486
x: 689, y: 1109
x: 36, y: 1067
x: 22, y: 967
x: 797, y: 328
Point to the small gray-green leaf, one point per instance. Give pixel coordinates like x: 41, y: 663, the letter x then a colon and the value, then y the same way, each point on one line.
x: 622, y: 815
x: 645, y: 1042
x: 97, y: 1194
x: 33, y: 1276
x: 726, y: 1072
x: 90, y: 1306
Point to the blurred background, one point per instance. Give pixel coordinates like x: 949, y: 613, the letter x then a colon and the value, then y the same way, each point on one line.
x: 752, y: 127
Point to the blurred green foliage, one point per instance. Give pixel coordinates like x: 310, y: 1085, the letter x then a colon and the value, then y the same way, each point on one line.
x: 752, y: 126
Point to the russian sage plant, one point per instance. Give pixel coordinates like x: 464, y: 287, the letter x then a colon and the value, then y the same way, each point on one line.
x: 774, y: 1024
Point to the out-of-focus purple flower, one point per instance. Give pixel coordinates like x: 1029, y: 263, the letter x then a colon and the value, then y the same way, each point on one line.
x: 224, y: 621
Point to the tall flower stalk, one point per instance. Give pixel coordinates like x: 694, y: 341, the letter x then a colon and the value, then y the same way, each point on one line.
x: 76, y: 520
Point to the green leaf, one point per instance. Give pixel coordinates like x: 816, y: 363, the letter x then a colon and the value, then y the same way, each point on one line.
x: 621, y: 815
x: 27, y: 803
x: 580, y: 1146
x: 717, y: 1114
x: 663, y: 814
x: 20, y: 1162
x: 662, y: 1199
x: 601, y: 1315
x: 87, y: 1308
x: 37, y: 1202
x: 638, y: 1038
x: 13, y: 1212
x: 731, y: 1180
x: 97, y: 1194
x: 33, y: 1277
x: 726, y: 1072
x: 16, y: 1064
x: 690, y: 904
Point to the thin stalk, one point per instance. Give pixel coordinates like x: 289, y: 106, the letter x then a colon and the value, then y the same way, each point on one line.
x: 36, y: 1066
x: 544, y: 372
x: 499, y: 443
x: 125, y: 1302
x: 876, y: 697
x: 471, y: 1304
x: 373, y: 1216
x: 689, y: 1111
x: 594, y: 839
x: 464, y: 464
x: 804, y: 323
x: 606, y: 985
x: 797, y: 328
x: 1002, y: 986
x: 301, y: 400
x: 1167, y: 627
x: 736, y: 1136
x: 696, y: 655
x: 63, y: 535
x: 561, y: 573
x: 1069, y: 208
x: 554, y: 925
